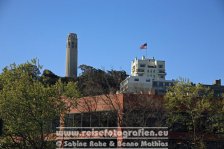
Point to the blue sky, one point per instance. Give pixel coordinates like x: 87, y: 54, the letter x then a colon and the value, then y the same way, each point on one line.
x: 187, y: 34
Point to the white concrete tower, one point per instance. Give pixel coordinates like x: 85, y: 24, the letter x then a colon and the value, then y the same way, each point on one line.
x: 71, y: 55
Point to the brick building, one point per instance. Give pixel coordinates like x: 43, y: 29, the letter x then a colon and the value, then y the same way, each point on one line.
x: 128, y: 110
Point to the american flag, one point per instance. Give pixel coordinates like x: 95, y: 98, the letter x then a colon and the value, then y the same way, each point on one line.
x: 144, y: 46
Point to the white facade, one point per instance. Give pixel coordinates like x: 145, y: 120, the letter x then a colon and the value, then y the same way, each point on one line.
x: 145, y: 75
x: 136, y: 84
x: 152, y: 68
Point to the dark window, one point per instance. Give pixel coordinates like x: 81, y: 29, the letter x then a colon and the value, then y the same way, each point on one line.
x: 69, y: 119
x: 151, y: 66
x: 55, y: 124
x: 112, y: 119
x: 147, y: 80
x: 160, y: 84
x: 142, y: 65
x: 90, y: 119
x: 73, y: 45
x: 136, y: 79
x: 95, y: 119
x: 155, y: 84
x: 140, y: 70
x: 103, y: 119
x: 161, y: 71
x: 160, y: 66
x: 86, y: 120
x: 78, y: 120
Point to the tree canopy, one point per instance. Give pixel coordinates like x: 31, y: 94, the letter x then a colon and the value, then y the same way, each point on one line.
x: 194, y: 108
x: 28, y: 107
x: 94, y: 81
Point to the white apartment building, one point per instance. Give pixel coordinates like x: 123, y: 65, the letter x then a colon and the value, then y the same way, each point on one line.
x: 152, y: 68
x: 147, y: 76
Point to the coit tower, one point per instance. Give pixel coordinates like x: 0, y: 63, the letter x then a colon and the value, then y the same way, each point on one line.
x: 71, y: 55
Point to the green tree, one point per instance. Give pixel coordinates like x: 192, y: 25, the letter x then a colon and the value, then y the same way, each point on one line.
x: 49, y: 78
x: 28, y: 107
x: 192, y: 108
x: 94, y: 81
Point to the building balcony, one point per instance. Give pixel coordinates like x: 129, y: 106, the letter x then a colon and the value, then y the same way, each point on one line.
x: 149, y: 66
x: 161, y: 72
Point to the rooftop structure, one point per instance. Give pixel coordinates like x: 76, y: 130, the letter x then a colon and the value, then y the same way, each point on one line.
x: 217, y: 88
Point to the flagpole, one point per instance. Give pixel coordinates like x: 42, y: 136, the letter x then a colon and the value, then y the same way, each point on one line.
x: 146, y: 52
x: 145, y: 47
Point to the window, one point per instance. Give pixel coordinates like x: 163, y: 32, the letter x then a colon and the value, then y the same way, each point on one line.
x: 154, y: 84
x: 73, y: 45
x: 55, y: 123
x: 95, y: 118
x: 151, y: 66
x: 160, y: 84
x: 161, y: 71
x: 162, y: 77
x: 112, y: 119
x: 78, y: 120
x: 147, y: 80
x: 136, y: 79
x: 160, y: 66
x: 69, y: 119
x: 142, y: 65
x: 86, y: 120
x: 108, y: 119
x: 140, y: 70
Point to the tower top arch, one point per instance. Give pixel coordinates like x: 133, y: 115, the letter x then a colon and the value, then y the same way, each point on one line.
x: 72, y: 36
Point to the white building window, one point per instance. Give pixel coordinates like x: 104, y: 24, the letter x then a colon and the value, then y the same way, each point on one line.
x: 136, y: 79
x: 160, y: 66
